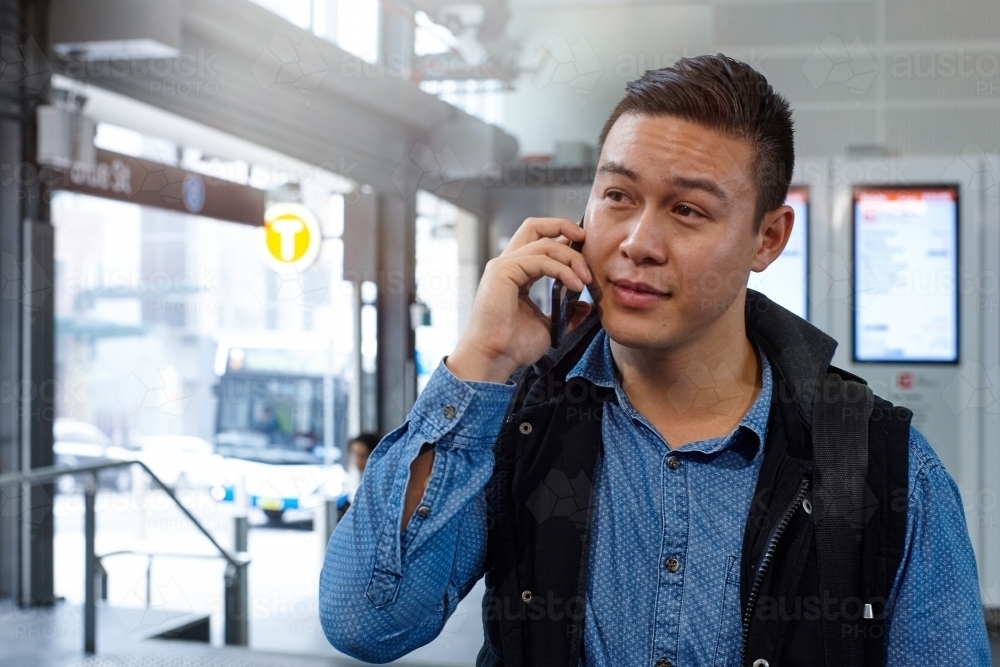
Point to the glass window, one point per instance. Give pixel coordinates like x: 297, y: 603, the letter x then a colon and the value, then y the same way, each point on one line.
x: 429, y: 38
x: 357, y: 28
x: 446, y: 275
x: 353, y: 25
x: 486, y: 99
x: 147, y: 299
x: 298, y: 12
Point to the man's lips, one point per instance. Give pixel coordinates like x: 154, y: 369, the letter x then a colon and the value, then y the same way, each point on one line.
x: 636, y: 294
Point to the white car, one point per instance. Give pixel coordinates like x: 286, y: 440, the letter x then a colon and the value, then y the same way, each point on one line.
x: 279, y: 488
x: 179, y: 461
x: 78, y: 443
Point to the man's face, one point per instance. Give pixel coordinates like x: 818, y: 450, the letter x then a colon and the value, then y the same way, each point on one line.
x: 359, y: 455
x: 669, y: 225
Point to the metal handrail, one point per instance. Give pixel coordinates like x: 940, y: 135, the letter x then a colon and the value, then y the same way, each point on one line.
x: 236, y: 607
x: 155, y: 554
x: 102, y: 572
x: 50, y: 473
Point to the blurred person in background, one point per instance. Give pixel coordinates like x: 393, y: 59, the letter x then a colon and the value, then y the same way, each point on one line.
x: 359, y: 448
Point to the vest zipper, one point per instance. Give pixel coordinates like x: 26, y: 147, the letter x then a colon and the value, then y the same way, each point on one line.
x: 765, y: 560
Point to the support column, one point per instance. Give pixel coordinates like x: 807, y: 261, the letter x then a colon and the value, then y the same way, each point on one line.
x: 27, y: 394
x: 11, y: 131
x: 38, y: 406
x: 361, y: 258
x: 397, y: 290
x: 396, y: 33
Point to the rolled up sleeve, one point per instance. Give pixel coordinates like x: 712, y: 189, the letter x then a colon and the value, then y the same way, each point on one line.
x: 383, y: 591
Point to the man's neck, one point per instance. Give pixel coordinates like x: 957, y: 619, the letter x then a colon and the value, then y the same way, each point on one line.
x: 696, y: 390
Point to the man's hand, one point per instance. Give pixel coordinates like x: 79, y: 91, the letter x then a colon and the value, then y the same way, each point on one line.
x: 507, y: 330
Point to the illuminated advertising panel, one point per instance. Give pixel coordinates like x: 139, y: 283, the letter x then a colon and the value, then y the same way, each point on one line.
x: 786, y: 280
x: 905, y: 274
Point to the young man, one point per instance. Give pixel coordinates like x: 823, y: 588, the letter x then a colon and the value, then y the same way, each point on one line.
x: 359, y: 449
x: 670, y: 487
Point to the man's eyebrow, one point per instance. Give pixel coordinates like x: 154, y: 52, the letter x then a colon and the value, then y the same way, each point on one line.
x: 702, y: 184
x: 682, y: 182
x: 612, y: 167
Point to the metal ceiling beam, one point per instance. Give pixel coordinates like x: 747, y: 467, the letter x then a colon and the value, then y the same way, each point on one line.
x: 249, y: 73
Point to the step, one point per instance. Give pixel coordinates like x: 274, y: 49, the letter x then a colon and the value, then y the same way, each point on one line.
x: 155, y: 653
x: 53, y: 636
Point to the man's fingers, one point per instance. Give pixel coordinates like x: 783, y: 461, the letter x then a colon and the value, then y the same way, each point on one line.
x: 533, y: 229
x: 532, y: 267
x: 558, y: 251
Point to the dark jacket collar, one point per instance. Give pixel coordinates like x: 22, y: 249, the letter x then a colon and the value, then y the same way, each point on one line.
x: 799, y: 351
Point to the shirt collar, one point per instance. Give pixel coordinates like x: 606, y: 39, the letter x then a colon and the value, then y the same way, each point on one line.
x: 597, y: 366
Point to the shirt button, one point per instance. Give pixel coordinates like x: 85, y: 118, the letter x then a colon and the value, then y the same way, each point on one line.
x: 526, y: 597
x: 423, y: 511
x: 662, y: 662
x: 672, y: 564
x: 449, y: 411
x: 761, y: 663
x: 673, y: 462
x: 524, y: 428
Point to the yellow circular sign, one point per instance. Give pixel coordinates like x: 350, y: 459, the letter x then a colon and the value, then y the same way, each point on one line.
x: 292, y: 236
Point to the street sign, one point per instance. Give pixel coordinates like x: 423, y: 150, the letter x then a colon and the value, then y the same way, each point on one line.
x: 143, y: 182
x: 291, y: 237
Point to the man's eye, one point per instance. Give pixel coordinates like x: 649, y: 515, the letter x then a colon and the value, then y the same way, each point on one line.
x: 616, y: 195
x: 686, y: 211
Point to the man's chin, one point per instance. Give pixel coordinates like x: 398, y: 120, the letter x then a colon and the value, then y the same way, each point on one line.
x: 645, y: 332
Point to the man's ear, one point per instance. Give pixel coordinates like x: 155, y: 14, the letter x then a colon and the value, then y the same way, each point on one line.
x: 775, y: 230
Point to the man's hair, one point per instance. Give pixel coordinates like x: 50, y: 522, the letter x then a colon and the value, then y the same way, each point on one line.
x: 369, y: 440
x: 728, y: 96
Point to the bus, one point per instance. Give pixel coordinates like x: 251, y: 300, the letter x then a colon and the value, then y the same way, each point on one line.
x: 281, y: 422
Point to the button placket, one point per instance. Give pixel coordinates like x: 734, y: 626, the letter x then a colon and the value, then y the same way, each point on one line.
x: 673, y: 547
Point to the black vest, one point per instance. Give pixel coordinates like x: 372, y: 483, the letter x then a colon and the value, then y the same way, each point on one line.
x: 536, y: 573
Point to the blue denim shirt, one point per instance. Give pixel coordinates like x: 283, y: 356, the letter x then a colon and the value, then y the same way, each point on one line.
x: 384, y: 593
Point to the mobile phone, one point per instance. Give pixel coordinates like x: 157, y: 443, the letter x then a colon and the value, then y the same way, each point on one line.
x: 562, y: 298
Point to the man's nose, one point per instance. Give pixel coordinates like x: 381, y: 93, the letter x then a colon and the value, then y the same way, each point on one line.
x: 645, y: 242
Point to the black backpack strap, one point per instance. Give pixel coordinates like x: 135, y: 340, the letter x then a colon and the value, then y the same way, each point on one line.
x: 841, y: 409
